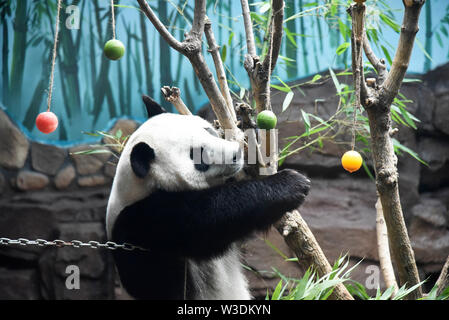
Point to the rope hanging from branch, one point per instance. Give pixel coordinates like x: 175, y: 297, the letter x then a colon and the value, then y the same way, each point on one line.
x: 113, y: 19
x: 55, y: 46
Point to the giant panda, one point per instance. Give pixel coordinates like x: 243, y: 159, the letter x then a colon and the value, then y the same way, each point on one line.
x: 188, y: 214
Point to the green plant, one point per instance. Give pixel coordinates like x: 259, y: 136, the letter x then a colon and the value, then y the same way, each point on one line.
x: 111, y: 143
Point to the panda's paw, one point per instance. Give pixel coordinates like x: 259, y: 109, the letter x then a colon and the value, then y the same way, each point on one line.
x: 293, y: 186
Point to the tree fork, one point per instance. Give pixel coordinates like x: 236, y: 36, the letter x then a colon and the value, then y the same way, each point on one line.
x: 377, y: 102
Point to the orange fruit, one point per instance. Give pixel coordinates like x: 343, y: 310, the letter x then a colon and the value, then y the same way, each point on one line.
x: 351, y: 161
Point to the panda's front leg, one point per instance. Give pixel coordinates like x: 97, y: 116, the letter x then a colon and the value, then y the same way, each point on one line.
x: 204, y: 223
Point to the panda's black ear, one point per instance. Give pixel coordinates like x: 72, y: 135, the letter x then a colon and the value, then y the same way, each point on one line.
x: 153, y: 108
x: 141, y: 156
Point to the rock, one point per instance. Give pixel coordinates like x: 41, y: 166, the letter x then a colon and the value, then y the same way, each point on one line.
x: 65, y: 177
x: 95, y: 265
x: 92, y: 181
x: 431, y: 211
x: 13, y: 144
x: 342, y: 216
x: 19, y: 284
x: 441, y: 114
x: 409, y: 171
x: 3, y: 183
x: 261, y: 258
x: 46, y: 158
x: 21, y: 217
x: 109, y: 169
x: 29, y: 180
x: 438, y: 80
x: 430, y: 244
x: 436, y: 153
x: 88, y: 163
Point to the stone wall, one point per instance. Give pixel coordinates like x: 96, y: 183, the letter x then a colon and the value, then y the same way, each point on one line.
x: 48, y: 192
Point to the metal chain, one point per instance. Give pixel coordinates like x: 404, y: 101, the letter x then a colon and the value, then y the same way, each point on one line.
x: 74, y: 244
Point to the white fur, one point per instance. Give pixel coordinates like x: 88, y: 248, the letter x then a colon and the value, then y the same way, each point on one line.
x: 171, y: 136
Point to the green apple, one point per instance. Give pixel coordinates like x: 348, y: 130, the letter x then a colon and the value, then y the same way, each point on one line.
x: 266, y: 120
x: 114, y: 49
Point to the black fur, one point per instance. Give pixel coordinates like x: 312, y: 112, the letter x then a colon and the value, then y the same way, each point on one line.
x: 153, y: 108
x: 197, y: 225
x: 141, y: 156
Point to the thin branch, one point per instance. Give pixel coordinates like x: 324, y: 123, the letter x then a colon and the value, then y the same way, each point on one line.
x: 383, y: 249
x: 250, y: 44
x: 358, y: 37
x: 378, y: 64
x: 404, y: 50
x: 160, y: 27
x: 221, y: 75
x: 173, y: 95
x: 443, y: 280
x: 275, y: 34
x: 199, y: 18
x: 191, y: 48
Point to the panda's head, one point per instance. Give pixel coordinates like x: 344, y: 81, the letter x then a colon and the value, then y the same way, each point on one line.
x: 177, y: 152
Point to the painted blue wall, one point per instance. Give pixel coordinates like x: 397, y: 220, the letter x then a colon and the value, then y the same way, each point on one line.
x: 318, y: 55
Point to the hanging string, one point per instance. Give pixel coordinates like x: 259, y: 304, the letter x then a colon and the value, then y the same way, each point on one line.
x: 55, y: 46
x: 113, y: 19
x: 357, y: 103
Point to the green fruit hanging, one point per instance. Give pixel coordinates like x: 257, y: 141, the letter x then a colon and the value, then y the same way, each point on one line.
x: 114, y: 49
x: 266, y: 120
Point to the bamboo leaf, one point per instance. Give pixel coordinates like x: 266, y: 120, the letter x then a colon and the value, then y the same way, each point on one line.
x: 288, y: 99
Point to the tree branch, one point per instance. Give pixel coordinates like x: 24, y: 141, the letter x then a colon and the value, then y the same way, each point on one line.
x: 443, y: 280
x: 377, y: 104
x: 383, y: 249
x: 191, y: 48
x: 275, y: 34
x: 378, y: 64
x: 173, y: 95
x: 250, y: 44
x: 199, y: 18
x: 221, y: 75
x: 175, y: 44
x: 301, y: 240
x: 404, y: 50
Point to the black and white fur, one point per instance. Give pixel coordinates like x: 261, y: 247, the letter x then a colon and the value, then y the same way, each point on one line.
x: 185, y: 213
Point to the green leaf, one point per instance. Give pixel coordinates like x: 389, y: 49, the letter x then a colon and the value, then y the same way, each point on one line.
x: 287, y: 100
x: 316, y: 78
x: 342, y: 48
x: 224, y: 50
x: 398, y: 146
x: 277, y: 291
x: 242, y: 93
x: 387, y: 54
x: 305, y: 116
x: 335, y: 80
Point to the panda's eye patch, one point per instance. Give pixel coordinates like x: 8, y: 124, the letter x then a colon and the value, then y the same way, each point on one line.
x: 198, y: 155
x: 211, y: 131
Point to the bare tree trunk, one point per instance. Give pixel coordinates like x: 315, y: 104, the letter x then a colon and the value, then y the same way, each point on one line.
x: 443, y: 280
x: 383, y: 249
x: 377, y: 102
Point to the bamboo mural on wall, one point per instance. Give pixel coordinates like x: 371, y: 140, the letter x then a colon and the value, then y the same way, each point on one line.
x: 91, y: 90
